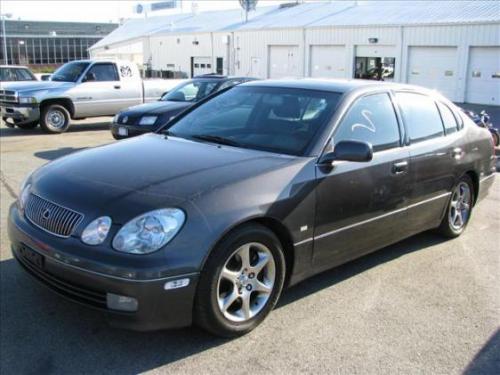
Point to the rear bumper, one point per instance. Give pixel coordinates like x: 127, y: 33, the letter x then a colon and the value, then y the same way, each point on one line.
x: 158, y: 308
x: 16, y: 114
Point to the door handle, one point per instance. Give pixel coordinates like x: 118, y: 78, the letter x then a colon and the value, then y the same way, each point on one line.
x: 400, y: 168
x: 117, y: 87
x: 457, y: 153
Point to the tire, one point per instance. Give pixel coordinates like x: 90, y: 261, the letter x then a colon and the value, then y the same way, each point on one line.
x: 29, y: 125
x: 261, y: 288
x: 459, y: 209
x: 55, y: 119
x: 496, y: 139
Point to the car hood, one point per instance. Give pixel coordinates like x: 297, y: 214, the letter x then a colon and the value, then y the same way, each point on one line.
x: 148, y: 172
x: 35, y: 85
x: 157, y: 108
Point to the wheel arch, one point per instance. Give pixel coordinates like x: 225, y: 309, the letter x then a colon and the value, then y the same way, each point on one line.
x: 65, y: 102
x: 475, y: 183
x: 278, y: 229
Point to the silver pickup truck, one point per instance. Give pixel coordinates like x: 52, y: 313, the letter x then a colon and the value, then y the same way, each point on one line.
x: 77, y: 90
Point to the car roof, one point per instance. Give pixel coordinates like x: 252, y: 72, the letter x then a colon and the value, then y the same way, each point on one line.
x: 332, y: 85
x: 221, y: 77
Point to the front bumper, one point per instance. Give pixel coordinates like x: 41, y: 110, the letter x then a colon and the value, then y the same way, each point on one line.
x: 14, y: 114
x: 157, y: 308
x: 131, y: 130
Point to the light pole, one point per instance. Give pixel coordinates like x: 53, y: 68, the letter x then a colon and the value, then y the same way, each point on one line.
x: 4, y: 32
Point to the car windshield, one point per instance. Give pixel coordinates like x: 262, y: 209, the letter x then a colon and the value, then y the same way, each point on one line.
x: 281, y: 120
x: 191, y: 91
x: 69, y: 72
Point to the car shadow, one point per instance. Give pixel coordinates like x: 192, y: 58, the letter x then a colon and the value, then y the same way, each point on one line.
x: 487, y: 360
x: 75, y: 127
x: 43, y: 333
x: 60, y: 152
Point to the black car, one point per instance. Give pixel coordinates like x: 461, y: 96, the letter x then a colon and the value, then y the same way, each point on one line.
x: 244, y: 194
x: 146, y: 118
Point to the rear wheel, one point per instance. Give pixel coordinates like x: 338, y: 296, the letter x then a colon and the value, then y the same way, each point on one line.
x: 55, y: 118
x: 459, y: 209
x: 241, y: 282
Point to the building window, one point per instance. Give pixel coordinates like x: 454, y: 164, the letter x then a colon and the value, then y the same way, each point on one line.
x: 376, y: 68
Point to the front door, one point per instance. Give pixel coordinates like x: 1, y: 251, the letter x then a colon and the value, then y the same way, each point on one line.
x: 361, y: 206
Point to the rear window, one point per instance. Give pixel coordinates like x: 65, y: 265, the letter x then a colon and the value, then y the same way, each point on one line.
x: 420, y: 115
x: 449, y: 120
x: 24, y: 75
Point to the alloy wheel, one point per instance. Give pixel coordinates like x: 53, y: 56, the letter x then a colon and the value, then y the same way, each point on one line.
x: 460, y: 206
x: 56, y: 119
x: 246, y: 282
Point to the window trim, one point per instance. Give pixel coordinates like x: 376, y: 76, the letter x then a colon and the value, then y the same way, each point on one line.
x: 353, y: 103
x: 419, y: 140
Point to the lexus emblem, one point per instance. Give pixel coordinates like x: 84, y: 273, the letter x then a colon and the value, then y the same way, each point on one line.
x: 46, y: 214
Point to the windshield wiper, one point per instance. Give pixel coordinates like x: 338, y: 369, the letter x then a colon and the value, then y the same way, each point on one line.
x: 216, y: 139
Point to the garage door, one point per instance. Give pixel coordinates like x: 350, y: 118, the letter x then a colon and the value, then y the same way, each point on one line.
x: 434, y: 68
x: 202, y: 65
x: 483, y: 76
x: 327, y: 62
x: 284, y: 61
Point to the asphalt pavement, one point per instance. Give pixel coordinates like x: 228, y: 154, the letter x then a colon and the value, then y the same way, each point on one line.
x: 423, y: 306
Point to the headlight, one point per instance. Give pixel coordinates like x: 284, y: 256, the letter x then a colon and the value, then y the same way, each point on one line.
x: 115, y: 119
x: 149, y: 232
x: 23, y: 196
x: 96, y: 232
x: 27, y: 100
x: 148, y: 120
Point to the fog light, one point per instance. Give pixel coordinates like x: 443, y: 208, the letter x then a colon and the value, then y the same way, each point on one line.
x: 175, y: 284
x: 122, y: 303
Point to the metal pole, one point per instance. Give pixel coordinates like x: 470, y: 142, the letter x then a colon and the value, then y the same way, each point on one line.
x: 4, y: 32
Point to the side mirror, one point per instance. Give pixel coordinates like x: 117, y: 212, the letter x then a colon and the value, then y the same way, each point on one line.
x: 349, y: 151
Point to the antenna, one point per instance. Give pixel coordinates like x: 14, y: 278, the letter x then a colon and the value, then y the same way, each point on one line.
x: 247, y: 6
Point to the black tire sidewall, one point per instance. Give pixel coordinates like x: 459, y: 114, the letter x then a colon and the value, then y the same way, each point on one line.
x: 207, y: 313
x: 51, y: 129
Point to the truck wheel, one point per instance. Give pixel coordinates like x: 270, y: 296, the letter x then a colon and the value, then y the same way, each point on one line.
x: 55, y: 119
x: 28, y: 125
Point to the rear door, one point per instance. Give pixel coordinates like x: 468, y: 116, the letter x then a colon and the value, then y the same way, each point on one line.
x: 435, y: 155
x: 360, y: 206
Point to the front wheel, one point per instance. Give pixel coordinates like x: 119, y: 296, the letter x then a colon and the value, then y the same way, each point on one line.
x: 55, y: 118
x: 459, y: 209
x: 241, y: 282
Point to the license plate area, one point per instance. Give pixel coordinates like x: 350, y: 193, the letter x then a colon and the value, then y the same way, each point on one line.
x: 122, y: 131
x: 31, y: 256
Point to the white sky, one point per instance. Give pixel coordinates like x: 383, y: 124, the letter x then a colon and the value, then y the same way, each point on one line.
x: 101, y: 10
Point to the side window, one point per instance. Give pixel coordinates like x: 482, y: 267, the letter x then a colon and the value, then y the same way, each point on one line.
x: 421, y: 116
x: 228, y: 83
x: 103, y: 73
x: 371, y: 119
x: 23, y: 75
x: 449, y: 120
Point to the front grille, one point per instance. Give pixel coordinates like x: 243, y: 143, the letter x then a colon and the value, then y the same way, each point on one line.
x: 64, y: 287
x: 8, y: 96
x: 51, y: 217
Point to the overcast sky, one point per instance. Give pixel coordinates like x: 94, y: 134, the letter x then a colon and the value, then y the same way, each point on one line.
x: 99, y: 10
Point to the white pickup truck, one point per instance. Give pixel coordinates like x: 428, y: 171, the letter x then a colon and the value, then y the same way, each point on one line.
x: 77, y: 90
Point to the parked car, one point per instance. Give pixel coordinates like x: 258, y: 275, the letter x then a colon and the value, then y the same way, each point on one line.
x: 483, y: 120
x: 146, y: 118
x: 253, y: 190
x: 15, y: 73
x: 77, y: 90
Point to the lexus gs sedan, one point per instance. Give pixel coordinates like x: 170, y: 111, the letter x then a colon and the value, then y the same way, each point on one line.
x: 244, y: 194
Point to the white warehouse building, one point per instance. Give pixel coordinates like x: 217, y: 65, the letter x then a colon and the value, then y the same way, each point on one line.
x: 450, y: 46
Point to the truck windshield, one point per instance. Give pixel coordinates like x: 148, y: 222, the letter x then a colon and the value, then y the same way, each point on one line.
x: 70, y: 72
